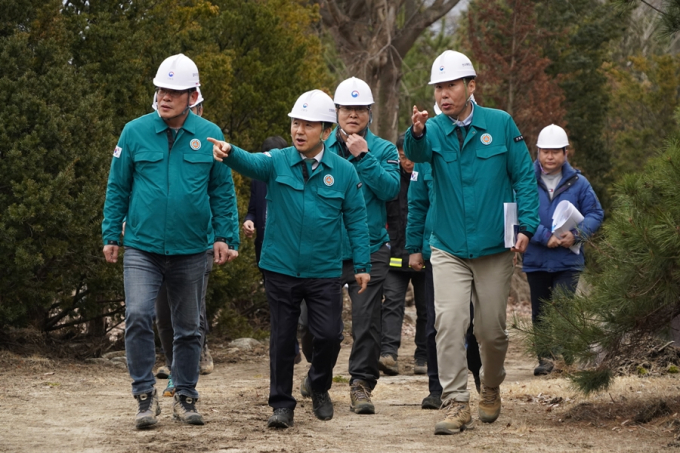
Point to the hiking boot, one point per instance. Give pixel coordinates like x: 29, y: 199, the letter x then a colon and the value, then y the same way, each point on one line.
x: 432, y: 401
x: 544, y: 367
x: 184, y: 409
x: 170, y: 389
x: 360, y: 395
x: 147, y: 409
x: 206, y: 365
x: 306, y: 387
x: 388, y: 365
x: 478, y: 382
x: 420, y: 367
x: 458, y: 418
x: 163, y: 372
x: 282, y: 418
x: 489, y: 404
x: 322, y: 405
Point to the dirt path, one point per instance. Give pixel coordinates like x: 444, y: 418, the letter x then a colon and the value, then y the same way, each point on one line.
x: 66, y: 406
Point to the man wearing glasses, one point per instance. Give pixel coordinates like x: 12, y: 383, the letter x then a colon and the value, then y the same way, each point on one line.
x: 166, y: 184
x: 377, y: 164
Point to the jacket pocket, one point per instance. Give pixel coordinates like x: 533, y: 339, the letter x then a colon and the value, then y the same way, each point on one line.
x: 147, y: 160
x: 330, y: 202
x: 290, y: 181
x: 447, y: 155
x: 196, y: 171
x: 486, y: 152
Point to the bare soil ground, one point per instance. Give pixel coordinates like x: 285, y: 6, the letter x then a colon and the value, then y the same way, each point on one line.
x: 67, y: 405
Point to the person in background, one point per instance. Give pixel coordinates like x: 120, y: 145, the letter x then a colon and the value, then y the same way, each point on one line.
x: 479, y: 162
x: 548, y: 261
x: 313, y: 195
x: 398, y: 279
x: 165, y: 183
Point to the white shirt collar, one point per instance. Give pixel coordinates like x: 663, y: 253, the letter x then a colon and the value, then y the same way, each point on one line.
x: 467, y: 121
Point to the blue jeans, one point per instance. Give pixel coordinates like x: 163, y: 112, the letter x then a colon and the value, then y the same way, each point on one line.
x: 183, y: 275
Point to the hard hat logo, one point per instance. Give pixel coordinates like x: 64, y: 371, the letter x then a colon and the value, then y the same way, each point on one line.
x: 355, y: 94
x: 304, y: 106
x: 441, y: 69
x: 171, y: 74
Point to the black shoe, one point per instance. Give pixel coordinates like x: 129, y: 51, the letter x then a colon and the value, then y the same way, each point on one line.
x: 432, y: 401
x: 544, y: 367
x: 306, y: 388
x: 282, y: 418
x: 478, y: 382
x: 322, y: 405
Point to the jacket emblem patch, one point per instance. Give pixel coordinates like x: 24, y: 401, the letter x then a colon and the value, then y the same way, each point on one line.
x: 195, y: 144
x: 116, y: 151
x: 414, y: 176
x: 328, y: 180
x: 486, y: 139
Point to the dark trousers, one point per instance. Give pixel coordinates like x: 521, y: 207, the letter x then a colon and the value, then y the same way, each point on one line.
x: 394, y: 290
x: 324, y: 305
x: 366, y: 322
x: 474, y: 360
x: 542, y: 285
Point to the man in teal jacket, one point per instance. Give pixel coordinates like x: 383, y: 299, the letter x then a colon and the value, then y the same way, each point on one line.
x: 479, y: 162
x: 175, y: 199
x: 313, y: 196
x: 377, y: 163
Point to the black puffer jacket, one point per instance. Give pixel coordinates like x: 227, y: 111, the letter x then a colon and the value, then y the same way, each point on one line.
x: 397, y: 214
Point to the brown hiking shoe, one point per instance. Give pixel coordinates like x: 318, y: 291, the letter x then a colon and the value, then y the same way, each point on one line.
x: 388, y: 365
x: 458, y: 418
x: 489, y: 404
x: 360, y: 395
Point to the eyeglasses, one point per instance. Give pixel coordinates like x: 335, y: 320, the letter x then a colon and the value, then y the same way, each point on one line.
x: 172, y: 93
x: 358, y: 109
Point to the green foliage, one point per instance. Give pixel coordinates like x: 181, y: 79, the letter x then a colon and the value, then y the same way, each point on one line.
x: 578, y: 47
x: 636, y: 292
x: 644, y: 105
x: 673, y: 369
x: 592, y: 381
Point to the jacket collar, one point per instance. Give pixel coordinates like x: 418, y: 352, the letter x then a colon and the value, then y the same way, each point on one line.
x: 189, y: 124
x: 478, y: 121
x: 568, y: 172
x: 294, y: 157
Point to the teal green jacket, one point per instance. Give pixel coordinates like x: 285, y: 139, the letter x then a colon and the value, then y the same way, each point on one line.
x: 379, y: 174
x: 306, y: 220
x: 472, y: 182
x: 419, y: 223
x: 175, y: 201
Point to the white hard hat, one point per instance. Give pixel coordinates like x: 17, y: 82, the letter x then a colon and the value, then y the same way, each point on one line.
x: 177, y: 72
x: 200, y: 99
x: 353, y: 91
x: 314, y: 105
x: 552, y: 137
x: 451, y: 65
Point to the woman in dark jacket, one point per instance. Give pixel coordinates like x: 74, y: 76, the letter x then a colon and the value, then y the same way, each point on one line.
x: 548, y: 261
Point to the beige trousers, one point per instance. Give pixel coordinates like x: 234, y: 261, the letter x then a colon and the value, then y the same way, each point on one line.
x: 486, y: 282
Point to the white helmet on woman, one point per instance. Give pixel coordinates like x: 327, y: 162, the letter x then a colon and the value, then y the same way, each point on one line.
x: 451, y: 65
x: 552, y: 137
x: 353, y: 91
x: 177, y: 72
x: 314, y: 105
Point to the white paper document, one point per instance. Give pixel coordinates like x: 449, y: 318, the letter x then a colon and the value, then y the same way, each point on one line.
x: 565, y: 218
x: 511, y: 224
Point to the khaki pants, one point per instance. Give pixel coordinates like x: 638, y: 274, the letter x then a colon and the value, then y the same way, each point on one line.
x: 457, y: 281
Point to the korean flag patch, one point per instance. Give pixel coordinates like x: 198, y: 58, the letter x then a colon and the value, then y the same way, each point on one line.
x: 117, y: 150
x: 414, y: 176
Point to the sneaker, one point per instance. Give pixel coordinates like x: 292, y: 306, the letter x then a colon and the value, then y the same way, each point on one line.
x: 148, y: 409
x: 282, y: 418
x: 306, y: 387
x: 458, y: 418
x: 432, y: 401
x: 163, y: 372
x: 544, y: 367
x: 489, y: 404
x: 206, y: 365
x: 361, y: 398
x: 184, y: 409
x: 478, y: 382
x: 170, y: 389
x: 420, y: 367
x: 322, y: 405
x: 388, y: 365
